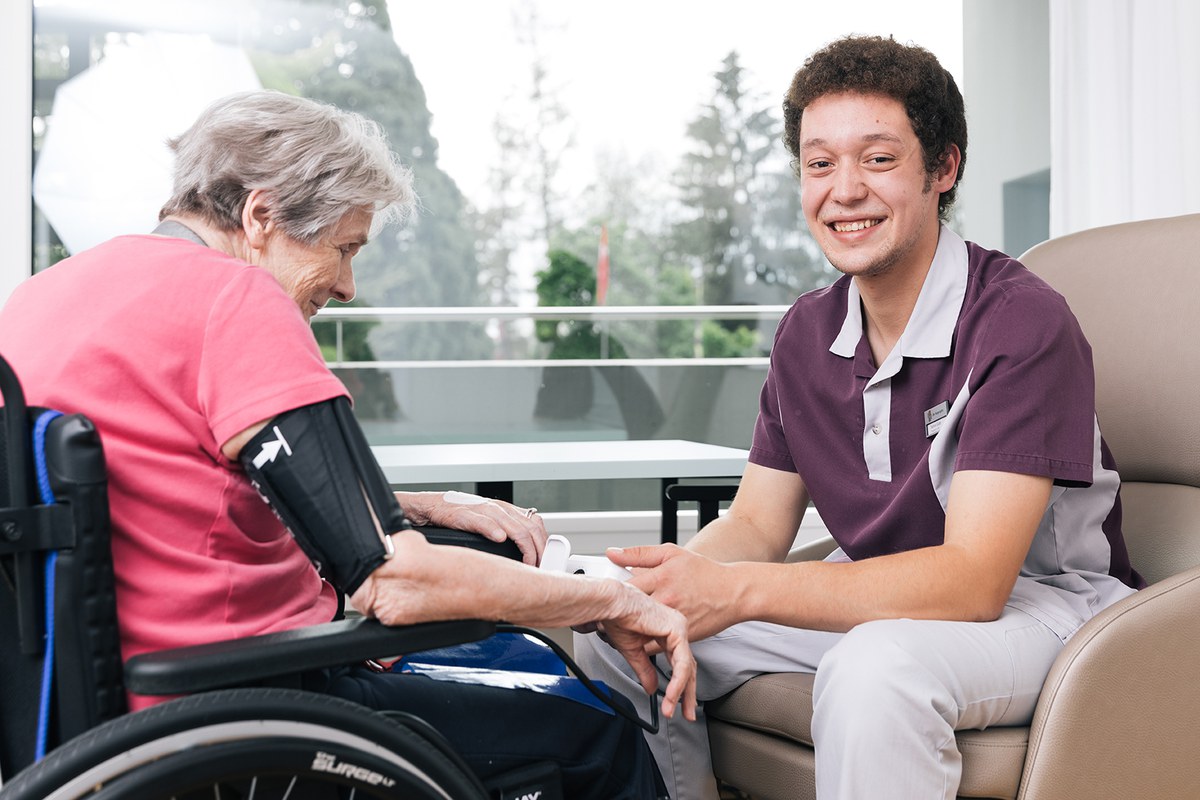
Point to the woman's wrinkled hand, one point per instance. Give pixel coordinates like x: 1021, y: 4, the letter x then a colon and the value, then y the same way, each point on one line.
x: 640, y: 626
x: 495, y: 520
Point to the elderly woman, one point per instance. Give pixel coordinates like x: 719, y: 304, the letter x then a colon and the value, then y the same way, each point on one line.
x: 186, y: 344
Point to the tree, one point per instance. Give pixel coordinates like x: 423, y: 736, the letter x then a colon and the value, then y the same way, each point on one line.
x: 343, y: 53
x: 568, y: 392
x: 718, y: 180
x: 742, y: 232
x: 633, y: 202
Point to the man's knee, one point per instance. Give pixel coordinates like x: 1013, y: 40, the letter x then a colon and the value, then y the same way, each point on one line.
x: 593, y: 654
x: 878, y: 670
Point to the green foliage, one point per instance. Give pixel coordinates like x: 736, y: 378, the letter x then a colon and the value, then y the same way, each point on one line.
x: 571, y: 281
x: 355, y: 346
x: 567, y: 281
x: 722, y: 342
x: 583, y: 340
x: 737, y: 237
x: 676, y: 338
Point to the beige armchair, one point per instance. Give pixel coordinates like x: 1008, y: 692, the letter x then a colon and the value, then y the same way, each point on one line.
x: 1119, y: 716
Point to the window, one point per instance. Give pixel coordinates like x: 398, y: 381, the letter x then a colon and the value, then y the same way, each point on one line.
x: 548, y: 141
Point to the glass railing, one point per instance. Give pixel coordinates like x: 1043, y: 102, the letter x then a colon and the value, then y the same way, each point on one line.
x: 622, y: 331
x: 564, y: 373
x: 524, y: 374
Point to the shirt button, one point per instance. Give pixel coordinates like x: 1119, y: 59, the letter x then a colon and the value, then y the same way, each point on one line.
x: 876, y: 429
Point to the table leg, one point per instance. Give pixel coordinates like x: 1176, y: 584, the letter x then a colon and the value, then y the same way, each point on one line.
x: 670, y: 515
x: 497, y: 490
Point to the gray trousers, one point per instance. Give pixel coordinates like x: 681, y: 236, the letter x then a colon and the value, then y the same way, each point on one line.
x: 887, y: 699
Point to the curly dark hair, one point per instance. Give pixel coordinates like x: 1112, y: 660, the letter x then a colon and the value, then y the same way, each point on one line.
x: 907, y: 73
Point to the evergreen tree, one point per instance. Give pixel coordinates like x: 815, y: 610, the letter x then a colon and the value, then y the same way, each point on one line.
x: 718, y: 181
x: 628, y: 198
x: 743, y: 231
x: 343, y: 53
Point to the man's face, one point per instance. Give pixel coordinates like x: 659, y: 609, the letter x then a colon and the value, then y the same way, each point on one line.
x: 866, y: 196
x: 314, y: 274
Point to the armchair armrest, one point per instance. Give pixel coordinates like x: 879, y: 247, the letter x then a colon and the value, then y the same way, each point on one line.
x: 239, y: 661
x: 816, y: 550
x: 1128, y: 675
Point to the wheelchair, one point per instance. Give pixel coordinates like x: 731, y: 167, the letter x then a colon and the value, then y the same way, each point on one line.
x: 64, y: 730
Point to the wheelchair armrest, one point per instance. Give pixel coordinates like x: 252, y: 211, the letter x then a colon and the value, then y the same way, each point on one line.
x: 235, y: 662
x: 455, y: 538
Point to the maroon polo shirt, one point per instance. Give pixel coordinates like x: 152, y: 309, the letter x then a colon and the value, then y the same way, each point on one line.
x: 992, y: 372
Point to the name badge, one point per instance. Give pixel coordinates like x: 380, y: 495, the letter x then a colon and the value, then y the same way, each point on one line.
x: 936, y: 417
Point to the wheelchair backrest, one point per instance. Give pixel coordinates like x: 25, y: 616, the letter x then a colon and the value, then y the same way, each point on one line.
x: 87, y: 688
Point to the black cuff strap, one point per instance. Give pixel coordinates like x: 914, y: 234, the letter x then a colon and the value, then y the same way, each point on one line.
x: 314, y: 467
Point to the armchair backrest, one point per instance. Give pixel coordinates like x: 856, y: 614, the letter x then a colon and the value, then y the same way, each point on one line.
x: 1135, y: 288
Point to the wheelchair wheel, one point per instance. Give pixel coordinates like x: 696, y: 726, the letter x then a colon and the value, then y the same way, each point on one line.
x: 250, y: 744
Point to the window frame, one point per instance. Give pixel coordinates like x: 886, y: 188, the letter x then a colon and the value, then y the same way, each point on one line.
x: 16, y: 142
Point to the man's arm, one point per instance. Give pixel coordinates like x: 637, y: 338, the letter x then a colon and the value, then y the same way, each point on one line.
x: 991, y: 518
x: 762, y: 521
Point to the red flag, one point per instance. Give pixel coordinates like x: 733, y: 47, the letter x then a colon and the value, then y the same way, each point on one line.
x: 602, y: 267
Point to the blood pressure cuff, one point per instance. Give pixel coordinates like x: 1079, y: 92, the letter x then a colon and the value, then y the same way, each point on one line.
x: 314, y: 467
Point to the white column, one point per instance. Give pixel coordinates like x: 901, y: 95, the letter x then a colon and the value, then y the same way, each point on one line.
x: 16, y: 142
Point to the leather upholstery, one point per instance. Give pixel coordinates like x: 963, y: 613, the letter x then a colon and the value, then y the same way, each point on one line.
x: 1117, y: 717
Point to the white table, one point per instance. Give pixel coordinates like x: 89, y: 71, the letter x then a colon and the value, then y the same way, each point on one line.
x: 494, y: 466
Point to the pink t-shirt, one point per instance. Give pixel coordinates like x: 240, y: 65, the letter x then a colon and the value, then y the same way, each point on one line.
x: 171, y: 349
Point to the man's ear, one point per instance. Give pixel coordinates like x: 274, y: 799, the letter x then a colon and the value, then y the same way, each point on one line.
x: 947, y: 170
x: 258, y: 218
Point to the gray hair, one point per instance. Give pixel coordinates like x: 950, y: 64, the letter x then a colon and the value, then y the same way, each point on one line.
x: 315, y: 161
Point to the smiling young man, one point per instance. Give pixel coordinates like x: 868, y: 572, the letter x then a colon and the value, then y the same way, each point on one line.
x: 936, y: 405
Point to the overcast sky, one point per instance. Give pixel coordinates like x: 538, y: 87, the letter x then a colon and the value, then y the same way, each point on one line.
x: 631, y: 72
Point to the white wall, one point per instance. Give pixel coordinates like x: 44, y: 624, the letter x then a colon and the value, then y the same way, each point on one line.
x: 16, y: 144
x: 1006, y: 85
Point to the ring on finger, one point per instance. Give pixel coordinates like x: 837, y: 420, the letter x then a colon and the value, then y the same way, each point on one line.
x: 529, y: 512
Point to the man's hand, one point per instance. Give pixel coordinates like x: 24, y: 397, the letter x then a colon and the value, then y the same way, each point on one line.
x: 493, y: 519
x: 698, y: 587
x: 639, y: 627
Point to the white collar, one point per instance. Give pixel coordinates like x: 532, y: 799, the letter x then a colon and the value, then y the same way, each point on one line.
x: 930, y: 328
